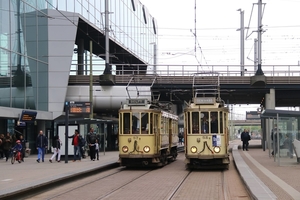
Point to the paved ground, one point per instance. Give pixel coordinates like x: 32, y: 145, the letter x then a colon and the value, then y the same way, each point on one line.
x: 263, y: 176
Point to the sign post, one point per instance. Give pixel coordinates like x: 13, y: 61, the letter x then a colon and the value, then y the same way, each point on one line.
x: 66, y: 130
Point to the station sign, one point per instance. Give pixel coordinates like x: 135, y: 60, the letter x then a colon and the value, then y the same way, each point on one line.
x: 76, y: 107
x: 252, y: 115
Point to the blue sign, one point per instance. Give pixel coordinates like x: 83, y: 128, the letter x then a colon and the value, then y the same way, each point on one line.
x: 214, y: 140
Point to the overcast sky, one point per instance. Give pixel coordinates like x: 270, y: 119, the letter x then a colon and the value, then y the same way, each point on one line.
x: 218, y: 41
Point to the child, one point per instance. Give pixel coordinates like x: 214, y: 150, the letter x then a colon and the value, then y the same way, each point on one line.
x: 97, y: 149
x: 18, y: 148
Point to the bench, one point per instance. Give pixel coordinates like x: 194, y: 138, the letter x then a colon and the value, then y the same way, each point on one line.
x: 296, y: 145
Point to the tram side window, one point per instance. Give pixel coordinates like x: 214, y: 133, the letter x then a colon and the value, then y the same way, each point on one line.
x: 222, y: 115
x: 204, y: 122
x: 144, y: 123
x: 126, y: 123
x: 164, y: 125
x: 135, y: 123
x: 155, y: 123
x: 214, y: 123
x: 195, y: 122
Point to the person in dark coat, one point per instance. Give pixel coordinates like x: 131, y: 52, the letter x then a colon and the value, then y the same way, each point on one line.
x: 41, y: 145
x: 7, y: 144
x: 91, y: 140
x: 245, y: 137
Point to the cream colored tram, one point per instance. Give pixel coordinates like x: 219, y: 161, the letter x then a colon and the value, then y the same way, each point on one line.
x: 148, y: 135
x: 206, y: 134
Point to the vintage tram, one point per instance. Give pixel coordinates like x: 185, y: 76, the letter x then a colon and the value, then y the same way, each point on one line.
x: 148, y: 134
x: 206, y: 126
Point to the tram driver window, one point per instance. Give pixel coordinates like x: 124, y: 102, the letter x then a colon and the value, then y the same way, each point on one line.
x: 204, y: 123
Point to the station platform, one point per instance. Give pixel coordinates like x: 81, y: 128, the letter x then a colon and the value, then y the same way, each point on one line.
x: 260, y: 173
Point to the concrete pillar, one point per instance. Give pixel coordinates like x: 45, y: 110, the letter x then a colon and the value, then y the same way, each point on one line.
x: 270, y: 104
x: 80, y: 57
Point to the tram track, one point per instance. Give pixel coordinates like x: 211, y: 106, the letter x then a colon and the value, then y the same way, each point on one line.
x: 171, y: 182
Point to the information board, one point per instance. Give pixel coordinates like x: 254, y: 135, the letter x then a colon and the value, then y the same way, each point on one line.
x: 80, y: 107
x: 28, y: 116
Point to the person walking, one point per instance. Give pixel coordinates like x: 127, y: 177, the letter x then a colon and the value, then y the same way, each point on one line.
x: 91, y: 140
x: 56, y: 148
x: 76, y: 139
x: 41, y: 145
x: 245, y: 137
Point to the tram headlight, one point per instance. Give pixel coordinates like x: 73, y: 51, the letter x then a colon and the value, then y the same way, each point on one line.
x: 193, y: 149
x: 125, y: 149
x: 146, y: 149
x: 217, y: 149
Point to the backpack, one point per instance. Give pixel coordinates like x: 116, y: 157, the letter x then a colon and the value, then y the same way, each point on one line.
x: 92, y: 138
x: 81, y: 141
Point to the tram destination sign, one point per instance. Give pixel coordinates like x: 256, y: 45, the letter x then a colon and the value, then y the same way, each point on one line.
x: 79, y: 107
x: 204, y: 100
x: 136, y: 102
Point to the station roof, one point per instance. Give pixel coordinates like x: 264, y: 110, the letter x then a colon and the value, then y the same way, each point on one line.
x: 271, y: 113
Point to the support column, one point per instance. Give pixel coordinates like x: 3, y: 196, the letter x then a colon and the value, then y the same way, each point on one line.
x: 80, y: 57
x: 270, y: 104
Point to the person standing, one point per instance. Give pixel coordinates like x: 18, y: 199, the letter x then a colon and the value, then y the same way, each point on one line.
x: 76, y: 139
x: 97, y: 149
x: 91, y: 140
x: 56, y: 148
x: 23, y: 142
x: 41, y: 145
x: 7, y: 144
x: 245, y: 137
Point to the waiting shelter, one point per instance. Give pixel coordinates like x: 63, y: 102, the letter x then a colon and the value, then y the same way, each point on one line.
x: 281, y: 135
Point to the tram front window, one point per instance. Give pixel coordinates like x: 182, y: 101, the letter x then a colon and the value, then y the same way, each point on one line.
x: 135, y: 123
x: 204, y: 122
x: 214, y: 123
x: 144, y: 123
x: 195, y: 122
x: 126, y: 123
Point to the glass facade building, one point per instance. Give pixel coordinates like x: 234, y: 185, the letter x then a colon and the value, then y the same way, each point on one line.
x: 26, y: 40
x: 38, y: 42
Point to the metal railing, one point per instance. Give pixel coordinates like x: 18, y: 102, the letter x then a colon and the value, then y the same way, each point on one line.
x: 179, y: 74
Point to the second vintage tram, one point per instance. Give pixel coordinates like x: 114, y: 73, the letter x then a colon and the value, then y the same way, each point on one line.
x: 206, y: 126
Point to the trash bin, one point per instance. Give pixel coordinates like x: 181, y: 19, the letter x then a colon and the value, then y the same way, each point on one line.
x: 27, y: 150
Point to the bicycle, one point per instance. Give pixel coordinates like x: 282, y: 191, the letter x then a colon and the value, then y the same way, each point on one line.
x: 16, y: 156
